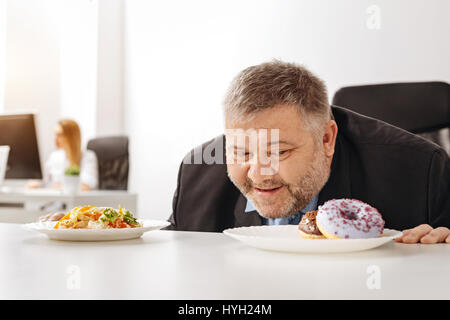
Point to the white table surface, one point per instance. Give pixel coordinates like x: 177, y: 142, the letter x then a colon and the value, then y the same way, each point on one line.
x: 194, y: 265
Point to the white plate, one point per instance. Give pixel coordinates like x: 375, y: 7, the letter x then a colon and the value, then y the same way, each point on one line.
x: 287, y: 238
x: 95, y: 234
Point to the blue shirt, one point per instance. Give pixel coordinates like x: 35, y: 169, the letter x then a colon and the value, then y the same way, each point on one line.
x: 294, y: 219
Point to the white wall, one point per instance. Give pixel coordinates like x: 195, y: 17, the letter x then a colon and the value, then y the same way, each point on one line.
x: 2, y: 50
x: 109, y: 68
x: 32, y: 73
x: 78, y: 47
x: 181, y: 55
x: 63, y: 59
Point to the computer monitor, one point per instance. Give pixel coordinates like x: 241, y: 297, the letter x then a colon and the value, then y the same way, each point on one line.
x: 18, y: 131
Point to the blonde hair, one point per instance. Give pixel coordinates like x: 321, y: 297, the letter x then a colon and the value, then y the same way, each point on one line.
x: 273, y: 83
x: 72, y: 136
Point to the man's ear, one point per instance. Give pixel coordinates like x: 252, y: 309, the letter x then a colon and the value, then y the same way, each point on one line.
x: 329, y: 138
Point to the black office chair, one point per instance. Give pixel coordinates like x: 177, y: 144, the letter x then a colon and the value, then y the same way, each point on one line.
x: 422, y: 108
x: 113, y: 161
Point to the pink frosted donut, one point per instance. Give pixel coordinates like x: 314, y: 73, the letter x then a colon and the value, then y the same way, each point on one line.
x: 349, y: 219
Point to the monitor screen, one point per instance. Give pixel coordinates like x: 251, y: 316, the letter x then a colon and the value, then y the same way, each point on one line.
x: 18, y: 131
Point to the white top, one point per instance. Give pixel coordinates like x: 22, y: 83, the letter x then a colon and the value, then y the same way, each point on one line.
x: 203, y: 265
x: 57, y: 163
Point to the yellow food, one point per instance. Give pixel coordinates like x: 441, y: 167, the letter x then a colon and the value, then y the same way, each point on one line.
x: 310, y: 236
x: 327, y: 234
x: 91, y: 217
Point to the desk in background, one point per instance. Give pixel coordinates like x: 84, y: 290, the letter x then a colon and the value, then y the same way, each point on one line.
x: 18, y: 205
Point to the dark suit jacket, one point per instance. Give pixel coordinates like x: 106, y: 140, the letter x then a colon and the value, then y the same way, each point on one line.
x: 404, y: 176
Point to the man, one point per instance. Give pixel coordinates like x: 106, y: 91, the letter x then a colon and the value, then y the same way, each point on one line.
x: 312, y: 153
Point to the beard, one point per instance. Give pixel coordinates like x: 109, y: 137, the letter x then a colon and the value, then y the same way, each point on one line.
x: 300, y: 193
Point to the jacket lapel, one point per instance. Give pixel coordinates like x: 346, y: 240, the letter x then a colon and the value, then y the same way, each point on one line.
x: 242, y: 218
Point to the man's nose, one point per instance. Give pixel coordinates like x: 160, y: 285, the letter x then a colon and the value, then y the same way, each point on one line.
x: 259, y: 172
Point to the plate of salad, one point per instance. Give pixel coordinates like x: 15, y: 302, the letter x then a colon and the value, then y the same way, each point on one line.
x: 91, y: 223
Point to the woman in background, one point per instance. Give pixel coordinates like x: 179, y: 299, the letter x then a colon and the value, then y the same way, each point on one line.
x: 69, y: 154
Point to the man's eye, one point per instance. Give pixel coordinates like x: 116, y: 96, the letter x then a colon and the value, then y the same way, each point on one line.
x: 279, y: 153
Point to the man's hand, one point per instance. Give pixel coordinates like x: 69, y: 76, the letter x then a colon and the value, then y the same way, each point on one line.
x: 425, y: 234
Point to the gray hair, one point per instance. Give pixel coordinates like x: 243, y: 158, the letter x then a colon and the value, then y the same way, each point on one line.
x: 278, y: 83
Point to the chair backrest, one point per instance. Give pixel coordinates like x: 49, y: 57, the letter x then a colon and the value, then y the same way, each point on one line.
x: 113, y: 161
x: 419, y: 107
